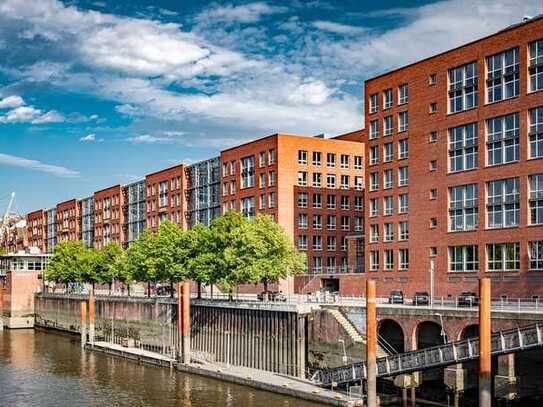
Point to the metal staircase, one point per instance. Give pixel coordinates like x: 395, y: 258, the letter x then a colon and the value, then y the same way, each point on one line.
x: 511, y: 341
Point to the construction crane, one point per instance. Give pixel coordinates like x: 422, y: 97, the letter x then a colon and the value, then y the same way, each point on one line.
x: 5, y: 218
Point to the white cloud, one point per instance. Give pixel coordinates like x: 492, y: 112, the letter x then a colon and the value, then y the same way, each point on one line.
x: 338, y: 28
x: 29, y: 114
x: 246, y: 13
x: 35, y: 165
x: 148, y: 139
x: 11, y: 102
x: 90, y: 138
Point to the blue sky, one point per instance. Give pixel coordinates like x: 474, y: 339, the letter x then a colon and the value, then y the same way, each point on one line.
x: 94, y: 93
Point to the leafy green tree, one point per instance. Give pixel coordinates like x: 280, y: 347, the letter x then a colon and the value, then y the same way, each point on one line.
x: 140, y: 262
x: 71, y: 263
x: 264, y: 253
x: 106, y: 262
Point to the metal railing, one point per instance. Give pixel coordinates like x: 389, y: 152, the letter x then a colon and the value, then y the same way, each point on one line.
x: 503, y: 342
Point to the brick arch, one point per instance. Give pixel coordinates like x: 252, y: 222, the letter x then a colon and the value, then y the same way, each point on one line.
x: 466, y: 331
x: 383, y: 322
x: 419, y: 323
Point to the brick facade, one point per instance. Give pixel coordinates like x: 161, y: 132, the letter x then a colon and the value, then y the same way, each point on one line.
x: 68, y: 220
x: 36, y: 225
x: 108, y: 216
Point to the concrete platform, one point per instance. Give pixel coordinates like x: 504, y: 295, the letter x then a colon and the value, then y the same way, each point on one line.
x: 258, y: 379
x: 17, y: 322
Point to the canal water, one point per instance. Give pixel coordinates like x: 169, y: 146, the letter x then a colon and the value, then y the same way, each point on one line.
x: 49, y: 369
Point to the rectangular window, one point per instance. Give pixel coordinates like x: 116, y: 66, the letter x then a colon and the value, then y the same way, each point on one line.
x: 302, y: 157
x: 403, y: 176
x: 433, y: 108
x: 317, y: 222
x: 344, y: 182
x: 262, y: 201
x: 374, y: 155
x: 388, y: 126
x: 536, y: 65
x: 503, y: 203
x: 464, y: 207
x: 374, y: 207
x: 344, y: 204
x: 374, y: 260
x: 248, y: 172
x: 389, y: 259
x: 345, y: 223
x: 388, y: 205
x: 317, y: 201
x: 403, y: 94
x: 317, y: 155
x: 317, y: 242
x: 317, y: 264
x: 262, y: 180
x: 358, y: 183
x: 503, y: 139
x: 536, y: 132
x: 374, y: 129
x: 302, y: 221
x: 344, y: 161
x: 248, y: 206
x: 388, y: 232
x: 331, y: 243
x: 302, y: 200
x: 224, y: 174
x: 331, y: 202
x: 503, y: 256
x: 502, y: 77
x: 403, y: 149
x: 388, y: 152
x: 358, y: 162
x: 330, y: 180
x: 331, y: 222
x: 343, y: 243
x: 374, y: 103
x: 463, y: 87
x: 536, y: 255
x: 463, y: 147
x: 302, y: 242
x: 432, y: 79
x: 358, y: 203
x: 271, y: 157
x: 262, y: 159
x: 302, y: 178
x: 403, y: 230
x: 463, y: 258
x: 403, y: 255
x: 536, y: 199
x: 374, y: 233
x: 433, y: 137
x: 271, y: 178
x: 403, y: 203
x: 388, y: 178
x: 387, y: 99
x: 271, y: 200
x: 403, y: 121
x: 330, y: 160
x: 358, y: 223
x: 374, y: 181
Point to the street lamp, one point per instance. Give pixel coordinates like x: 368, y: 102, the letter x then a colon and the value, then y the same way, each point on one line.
x: 442, y: 333
x: 344, y: 352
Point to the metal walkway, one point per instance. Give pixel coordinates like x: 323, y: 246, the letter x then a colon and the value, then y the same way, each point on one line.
x: 503, y: 342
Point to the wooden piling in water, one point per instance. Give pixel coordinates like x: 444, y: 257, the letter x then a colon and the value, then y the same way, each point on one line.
x: 371, y: 343
x: 485, y: 391
x: 83, y: 323
x: 92, y: 301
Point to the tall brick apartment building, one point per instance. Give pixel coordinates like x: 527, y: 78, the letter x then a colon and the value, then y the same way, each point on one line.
x: 36, y: 225
x: 311, y: 186
x: 108, y: 216
x: 455, y: 168
x: 68, y: 223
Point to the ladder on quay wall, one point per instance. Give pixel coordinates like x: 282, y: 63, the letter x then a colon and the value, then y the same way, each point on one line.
x: 510, y: 341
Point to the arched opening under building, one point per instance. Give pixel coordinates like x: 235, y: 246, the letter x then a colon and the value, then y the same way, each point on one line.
x: 391, y: 336
x: 432, y: 381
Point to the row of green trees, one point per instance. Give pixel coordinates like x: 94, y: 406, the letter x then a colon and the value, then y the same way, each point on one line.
x: 233, y: 250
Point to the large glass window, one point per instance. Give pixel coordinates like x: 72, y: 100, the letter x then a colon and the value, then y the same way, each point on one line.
x: 503, y: 139
x: 536, y: 255
x: 403, y: 203
x: 374, y: 129
x: 374, y: 260
x: 403, y: 230
x: 536, y: 65
x: 464, y: 207
x: 503, y: 203
x: 403, y: 255
x: 387, y: 99
x: 463, y: 258
x: 374, y: 233
x: 403, y: 121
x: 388, y: 205
x: 374, y: 103
x: 248, y: 206
x: 463, y: 147
x: 389, y: 259
x: 374, y: 155
x: 403, y: 149
x: 248, y: 172
x: 388, y: 152
x: 374, y: 181
x: 536, y: 199
x: 536, y: 132
x: 403, y: 94
x: 388, y: 178
x: 463, y: 87
x: 403, y: 176
x: 502, y: 80
x: 388, y: 232
x: 503, y: 256
x: 388, y: 127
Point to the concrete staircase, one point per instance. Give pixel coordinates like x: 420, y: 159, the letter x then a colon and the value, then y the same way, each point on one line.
x: 355, y: 336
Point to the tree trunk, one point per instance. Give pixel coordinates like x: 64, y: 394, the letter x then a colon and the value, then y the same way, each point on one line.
x: 199, y: 290
x: 211, y: 291
x: 128, y: 289
x: 171, y: 289
x: 110, y: 284
x: 148, y: 289
x: 265, y: 285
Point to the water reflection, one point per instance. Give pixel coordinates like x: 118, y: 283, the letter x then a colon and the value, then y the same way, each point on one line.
x: 49, y: 369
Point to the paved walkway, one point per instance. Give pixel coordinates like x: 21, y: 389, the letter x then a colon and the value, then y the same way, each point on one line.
x: 259, y: 379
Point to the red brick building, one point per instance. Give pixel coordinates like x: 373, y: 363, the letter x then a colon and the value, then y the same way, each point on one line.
x: 311, y: 186
x: 455, y: 171
x: 68, y: 221
x: 36, y: 226
x: 165, y: 197
x: 108, y: 216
